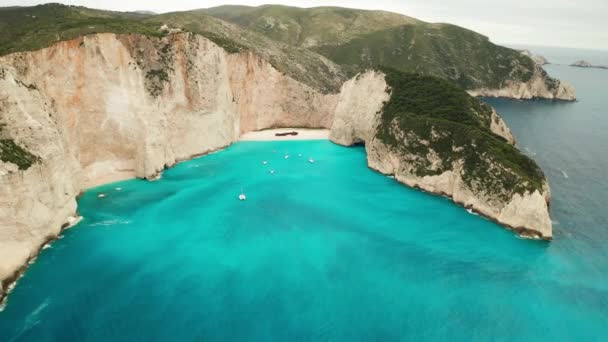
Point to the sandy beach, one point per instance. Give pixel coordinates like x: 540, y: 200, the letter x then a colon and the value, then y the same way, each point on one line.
x: 303, y: 134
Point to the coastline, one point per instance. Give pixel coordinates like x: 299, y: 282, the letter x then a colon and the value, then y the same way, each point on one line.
x: 303, y: 134
x: 262, y: 135
x: 8, y: 284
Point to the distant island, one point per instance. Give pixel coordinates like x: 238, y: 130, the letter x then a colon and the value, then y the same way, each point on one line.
x: 585, y: 64
x: 538, y: 59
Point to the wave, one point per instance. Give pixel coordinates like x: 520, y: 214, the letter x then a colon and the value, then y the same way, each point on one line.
x: 31, y: 320
x: 73, y: 220
x: 529, y: 152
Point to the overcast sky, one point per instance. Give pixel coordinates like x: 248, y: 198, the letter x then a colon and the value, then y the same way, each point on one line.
x: 566, y: 23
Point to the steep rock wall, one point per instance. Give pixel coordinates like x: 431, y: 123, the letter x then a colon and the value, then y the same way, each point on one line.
x: 34, y: 203
x: 359, y: 104
x: 267, y: 98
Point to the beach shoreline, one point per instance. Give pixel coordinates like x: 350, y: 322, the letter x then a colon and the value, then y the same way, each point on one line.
x: 303, y: 134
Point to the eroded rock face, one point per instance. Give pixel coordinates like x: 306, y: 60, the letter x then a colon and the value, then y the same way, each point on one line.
x: 35, y: 203
x: 266, y: 98
x: 539, y: 86
x: 356, y: 116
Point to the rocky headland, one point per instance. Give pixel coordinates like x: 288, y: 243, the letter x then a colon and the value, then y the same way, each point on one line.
x: 538, y: 59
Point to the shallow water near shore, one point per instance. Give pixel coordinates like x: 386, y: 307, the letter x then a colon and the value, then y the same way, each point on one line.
x: 323, y: 251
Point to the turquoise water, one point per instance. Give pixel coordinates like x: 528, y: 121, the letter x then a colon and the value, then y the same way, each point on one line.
x: 331, y: 250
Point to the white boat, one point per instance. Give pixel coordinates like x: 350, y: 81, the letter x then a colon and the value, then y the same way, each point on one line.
x: 310, y: 160
x: 271, y: 172
x: 101, y: 195
x: 286, y: 155
x: 265, y: 162
x: 300, y: 155
x: 242, y: 196
x: 118, y: 189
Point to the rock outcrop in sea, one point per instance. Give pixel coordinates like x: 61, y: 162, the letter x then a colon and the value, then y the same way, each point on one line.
x: 109, y: 106
x: 585, y: 64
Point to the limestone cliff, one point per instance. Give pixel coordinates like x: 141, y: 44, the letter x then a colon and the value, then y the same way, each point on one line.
x: 539, y: 86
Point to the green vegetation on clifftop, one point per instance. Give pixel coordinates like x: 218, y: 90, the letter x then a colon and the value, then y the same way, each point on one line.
x: 427, y: 116
x: 33, y: 28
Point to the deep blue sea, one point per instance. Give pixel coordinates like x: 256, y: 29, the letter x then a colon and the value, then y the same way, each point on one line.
x: 331, y: 251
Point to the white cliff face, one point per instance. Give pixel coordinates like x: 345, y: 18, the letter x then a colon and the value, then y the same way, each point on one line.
x: 357, y: 112
x: 35, y: 203
x: 267, y: 98
x: 106, y: 107
x: 112, y: 121
x: 536, y: 87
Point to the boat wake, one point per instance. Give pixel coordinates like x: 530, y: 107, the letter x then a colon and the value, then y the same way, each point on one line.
x: 110, y: 223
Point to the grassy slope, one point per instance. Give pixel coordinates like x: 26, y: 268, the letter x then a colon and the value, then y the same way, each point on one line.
x: 309, y: 27
x: 421, y: 105
x: 32, y: 28
x: 358, y: 39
